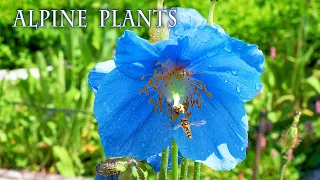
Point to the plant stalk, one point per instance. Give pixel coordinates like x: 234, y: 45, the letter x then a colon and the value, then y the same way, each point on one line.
x: 284, y: 160
x: 184, y: 169
x: 164, y: 164
x: 197, y: 171
x: 160, y: 4
x: 175, y: 164
x: 211, y: 12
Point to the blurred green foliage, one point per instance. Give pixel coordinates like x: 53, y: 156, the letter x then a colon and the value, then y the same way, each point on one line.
x: 54, y: 129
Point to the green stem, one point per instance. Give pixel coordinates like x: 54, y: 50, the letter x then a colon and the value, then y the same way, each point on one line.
x: 164, y: 164
x: 175, y: 164
x: 184, y: 169
x: 284, y: 160
x: 197, y: 169
x: 160, y: 4
x: 211, y: 12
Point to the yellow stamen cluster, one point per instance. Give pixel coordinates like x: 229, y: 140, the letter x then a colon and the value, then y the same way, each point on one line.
x: 169, y: 80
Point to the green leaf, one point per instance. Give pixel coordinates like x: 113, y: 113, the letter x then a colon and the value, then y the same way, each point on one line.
x: 65, y: 164
x: 315, y: 83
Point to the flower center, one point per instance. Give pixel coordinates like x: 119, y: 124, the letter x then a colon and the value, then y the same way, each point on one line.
x: 177, y: 85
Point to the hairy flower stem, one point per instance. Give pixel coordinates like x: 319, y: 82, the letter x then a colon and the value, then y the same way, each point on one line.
x: 284, y: 160
x: 160, y: 4
x: 164, y: 164
x: 175, y: 164
x: 197, y: 171
x: 159, y: 33
x: 184, y: 169
x: 211, y: 12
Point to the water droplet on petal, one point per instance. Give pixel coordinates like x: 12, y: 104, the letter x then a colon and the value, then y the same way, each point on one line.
x: 176, y: 32
x: 258, y: 87
x: 143, y: 145
x: 234, y: 72
x: 201, y: 27
x: 225, y: 81
x: 210, y: 54
x: 228, y: 48
x: 221, y: 75
x: 238, y: 89
x: 133, y: 108
x: 210, y: 66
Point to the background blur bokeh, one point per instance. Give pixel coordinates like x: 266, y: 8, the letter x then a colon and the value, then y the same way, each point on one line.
x: 46, y: 123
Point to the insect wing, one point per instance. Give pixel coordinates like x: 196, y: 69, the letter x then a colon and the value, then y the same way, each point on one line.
x: 198, y: 123
x: 172, y: 127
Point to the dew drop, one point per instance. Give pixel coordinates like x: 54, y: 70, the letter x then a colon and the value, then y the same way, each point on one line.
x: 210, y: 54
x: 176, y: 32
x: 225, y: 81
x: 210, y: 66
x: 258, y: 87
x: 234, y: 72
x: 200, y: 27
x: 238, y: 89
x: 143, y: 145
x: 221, y: 75
x: 133, y: 108
x: 228, y: 48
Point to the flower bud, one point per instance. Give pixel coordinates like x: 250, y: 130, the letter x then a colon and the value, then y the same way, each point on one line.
x: 291, y: 138
x: 114, y: 166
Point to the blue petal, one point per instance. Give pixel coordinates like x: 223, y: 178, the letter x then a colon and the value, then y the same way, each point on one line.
x: 250, y: 53
x: 188, y: 19
x: 127, y: 124
x: 199, y: 43
x: 101, y: 177
x: 190, y: 16
x: 137, y: 57
x: 97, y: 74
x: 223, y: 136
x: 227, y: 71
x: 155, y: 161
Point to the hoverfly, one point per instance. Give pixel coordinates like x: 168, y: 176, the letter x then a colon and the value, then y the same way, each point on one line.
x: 186, y: 126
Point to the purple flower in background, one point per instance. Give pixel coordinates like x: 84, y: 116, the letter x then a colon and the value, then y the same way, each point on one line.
x: 318, y: 106
x: 273, y: 52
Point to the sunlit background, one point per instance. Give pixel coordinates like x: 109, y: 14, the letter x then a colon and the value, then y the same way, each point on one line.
x: 46, y: 119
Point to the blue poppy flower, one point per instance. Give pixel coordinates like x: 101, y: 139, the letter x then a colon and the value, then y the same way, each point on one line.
x: 101, y: 177
x: 190, y: 88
